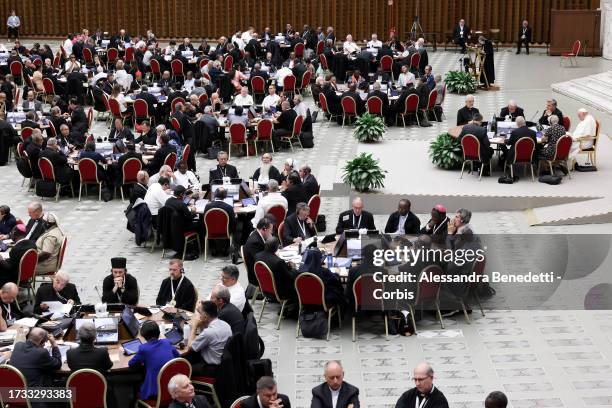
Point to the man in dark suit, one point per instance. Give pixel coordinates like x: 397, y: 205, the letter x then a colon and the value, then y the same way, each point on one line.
x: 109, y: 83
x: 254, y: 47
x: 294, y: 193
x: 228, y: 312
x: 34, y: 361
x: 86, y: 355
x: 223, y: 169
x: 511, y: 110
x: 551, y: 109
x: 355, y: 218
x: 160, y: 155
x: 400, y: 104
x: 255, y: 244
x: 383, y: 97
x: 461, y: 34
x: 78, y: 119
x: 424, y: 390
x: 59, y: 290
x: 184, y: 212
x: 256, y: 71
x: 130, y: 154
x: 475, y: 128
x: 333, y: 100
x: 33, y: 150
x: 63, y: 172
x: 9, y: 268
x: 284, y: 274
x: 30, y: 121
x: 311, y: 185
x: 57, y: 119
x: 183, y: 395
x: 139, y: 190
x: 148, y: 135
x: 346, y: 395
x: 521, y: 131
x: 352, y: 92
x: 266, y: 396
x: 298, y: 226
x: 524, y: 37
x: 403, y: 221
x: 120, y: 132
x: 119, y: 286
x: 284, y: 122
x: 35, y: 226
x: 467, y: 113
x: 219, y: 246
x: 149, y: 99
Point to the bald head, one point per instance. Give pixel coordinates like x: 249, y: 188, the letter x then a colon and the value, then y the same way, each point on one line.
x: 38, y: 336
x: 423, y: 378
x: 334, y: 374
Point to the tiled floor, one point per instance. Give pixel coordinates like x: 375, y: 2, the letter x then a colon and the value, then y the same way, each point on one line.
x: 539, y: 358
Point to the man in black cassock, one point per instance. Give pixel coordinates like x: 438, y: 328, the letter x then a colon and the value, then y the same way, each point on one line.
x: 59, y: 290
x: 120, y: 286
x: 176, y: 290
x: 424, y: 393
x: 489, y: 63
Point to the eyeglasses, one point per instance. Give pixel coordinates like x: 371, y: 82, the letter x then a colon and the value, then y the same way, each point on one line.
x: 420, y: 379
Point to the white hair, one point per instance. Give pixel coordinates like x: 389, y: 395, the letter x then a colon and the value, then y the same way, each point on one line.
x: 63, y: 276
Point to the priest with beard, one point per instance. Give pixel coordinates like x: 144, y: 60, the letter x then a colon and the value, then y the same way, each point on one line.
x: 266, y: 172
x: 177, y: 290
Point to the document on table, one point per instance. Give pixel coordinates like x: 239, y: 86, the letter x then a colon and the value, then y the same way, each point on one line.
x: 27, y: 321
x: 58, y: 309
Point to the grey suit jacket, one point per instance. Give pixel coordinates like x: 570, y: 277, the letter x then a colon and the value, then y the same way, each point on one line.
x: 37, y: 105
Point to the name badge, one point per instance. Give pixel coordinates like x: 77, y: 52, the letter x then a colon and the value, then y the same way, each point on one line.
x: 345, y: 218
x: 10, y: 322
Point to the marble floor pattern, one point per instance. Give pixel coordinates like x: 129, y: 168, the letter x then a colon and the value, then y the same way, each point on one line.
x: 542, y: 358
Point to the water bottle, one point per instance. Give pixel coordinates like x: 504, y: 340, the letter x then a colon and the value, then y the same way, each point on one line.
x: 186, y: 332
x: 494, y: 124
x: 330, y: 261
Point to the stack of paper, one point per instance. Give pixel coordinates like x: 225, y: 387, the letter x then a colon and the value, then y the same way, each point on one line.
x: 57, y: 310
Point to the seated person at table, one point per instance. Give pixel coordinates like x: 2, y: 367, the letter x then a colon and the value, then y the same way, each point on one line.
x: 56, y: 118
x: 30, y: 121
x: 257, y: 71
x: 86, y: 355
x: 284, y: 122
x: 550, y: 138
x: 156, y: 196
x: 160, y: 155
x: 311, y: 185
x: 586, y: 128
x: 238, y: 117
x: 153, y: 354
x: 122, y: 77
x: 349, y: 46
x: 149, y: 99
x: 63, y: 172
x: 521, y: 131
x: 164, y: 171
x: 266, y: 172
x: 139, y: 189
x: 177, y: 290
x: 59, y: 290
x: 406, y: 78
x: 551, y: 110
x: 129, y: 154
x: 474, y: 127
x: 8, y: 302
x: 119, y: 286
x: 423, y: 91
x: 243, y: 98
x: 118, y: 95
x: 120, y: 132
x: 266, y: 396
x: 400, y: 104
x: 108, y: 86
x: 35, y: 226
x: 228, y: 312
x: 221, y: 246
x: 271, y: 198
x: 30, y: 103
x: 9, y: 268
x: 298, y: 226
x: 511, y: 110
x: 294, y: 193
x: 255, y: 244
x: 185, y: 213
x: 382, y: 95
x: 182, y: 392
x: 437, y: 226
x: 185, y: 177
x: 7, y: 221
x: 334, y: 292
x: 468, y: 112
x: 49, y: 245
x: 403, y: 221
x: 223, y: 169
x: 352, y: 92
x: 284, y: 273
x: 72, y: 137
x: 78, y: 119
x: 90, y: 153
x: 355, y: 218
x: 34, y: 361
x: 33, y: 150
x: 207, y: 338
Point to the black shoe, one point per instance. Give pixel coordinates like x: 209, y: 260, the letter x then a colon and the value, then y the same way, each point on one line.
x: 518, y: 52
x: 563, y: 170
x: 191, y: 257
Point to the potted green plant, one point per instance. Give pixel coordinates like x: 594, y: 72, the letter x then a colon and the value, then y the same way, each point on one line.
x: 369, y: 128
x: 445, y: 152
x: 363, y: 173
x: 460, y: 82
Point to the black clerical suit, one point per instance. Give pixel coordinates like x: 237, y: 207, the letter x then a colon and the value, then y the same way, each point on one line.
x: 465, y: 115
x: 159, y: 158
x: 33, y: 150
x: 198, y: 401
x: 412, y: 398
x: 46, y: 293
x: 322, y: 398
x: 516, y: 134
x: 123, y: 134
x: 360, y: 103
x: 38, y: 228
x: 544, y: 118
x: 149, y: 138
x: 348, y: 220
x: 411, y: 225
x: 294, y: 193
x: 9, y: 268
x: 295, y: 228
x: 284, y: 277
x: 63, y: 172
x: 251, y: 402
x: 486, y: 152
x: 127, y: 295
x: 506, y: 112
x: 88, y: 356
x: 254, y: 244
x: 284, y: 127
x: 218, y: 172
x: 138, y: 191
x: 14, y: 314
x: 35, y: 363
x: 524, y: 31
x: 185, y: 294
x: 311, y: 186
x: 231, y: 315
x: 78, y: 120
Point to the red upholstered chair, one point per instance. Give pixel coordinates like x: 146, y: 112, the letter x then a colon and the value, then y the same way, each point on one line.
x: 431, y: 103
x: 411, y: 107
x: 571, y: 56
x: 203, y: 99
x: 428, y: 292
x: 323, y: 61
x: 89, y: 388
x: 523, y: 154
x: 349, y: 108
x: 88, y: 56
x: 415, y: 60
x: 26, y: 133
x: 217, y: 225
x: 155, y: 69
x: 228, y: 63
x: 27, y: 271
x: 562, y: 151
x: 237, y: 403
x: 49, y: 89
x: 471, y: 153
x: 374, y: 105
x: 306, y: 77
x: 264, y: 133
x: 51, y: 130
x: 311, y: 292
x: 169, y: 370
x: 314, y: 204
x: 206, y: 75
x: 299, y: 50
x: 386, y: 64
x: 115, y: 109
x: 12, y: 378
x: 129, y: 172
x: 295, y: 134
x: 280, y: 232
x: 174, y: 102
x: 363, y: 289
x: 48, y: 174
x: 258, y: 87
x: 21, y: 149
x: 141, y: 111
x: 325, y: 107
x: 267, y: 285
x: 60, y: 258
x: 567, y: 123
x: 176, y: 125
x: 88, y: 174
x: 320, y: 46
x: 170, y: 160
x: 289, y: 84
x: 238, y: 136
x: 186, y: 152
x: 279, y: 212
x: 176, y: 66
x: 90, y: 117
x: 16, y: 69
x: 129, y: 55
x: 56, y: 60
x: 17, y: 95
x: 112, y: 55
x: 203, y: 62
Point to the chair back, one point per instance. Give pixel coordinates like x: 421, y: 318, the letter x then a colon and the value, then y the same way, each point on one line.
x: 129, y: 54
x: 155, y: 68
x: 323, y: 102
x: 90, y: 388
x: 62, y: 252
x: 228, y: 63
x: 238, y: 402
x: 37, y: 62
x: 175, y: 124
x: 27, y: 265
x: 258, y: 85
x: 46, y: 169
x: 597, y: 126
x: 323, y: 61
x: 363, y: 290
x: 51, y: 129
x: 314, y: 204
x: 12, y: 378
x: 16, y: 69
x: 427, y: 290
x: 130, y: 170
x: 48, y: 86
x: 279, y: 212
x: 265, y: 277
x: 203, y: 99
x: 216, y: 222
x: 177, y: 67
x: 203, y: 62
x: 170, y: 369
x: 297, y: 125
x: 320, y: 46
x: 576, y: 47
x: 523, y: 150
x: 566, y: 123
x: 174, y: 102
x: 433, y: 96
x: 306, y: 79
x: 478, y: 269
x: 21, y: 149
x: 206, y: 75
x: 264, y: 129
x: 415, y: 60
x: 310, y: 290
x: 56, y: 60
x: 237, y: 133
x: 17, y: 96
x: 374, y: 105
x: 562, y: 150
x: 280, y: 233
x: 299, y: 50
x: 411, y: 104
x: 141, y: 109
x: 112, y: 54
x: 186, y: 151
x: 89, y: 117
x: 87, y: 56
x: 170, y: 160
x: 289, y: 83
x: 349, y: 106
x: 89, y: 139
x: 26, y: 133
x: 386, y: 63
x: 113, y: 106
x: 471, y: 147
x: 88, y: 171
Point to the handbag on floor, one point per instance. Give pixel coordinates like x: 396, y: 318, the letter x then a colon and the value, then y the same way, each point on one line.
x: 313, y: 324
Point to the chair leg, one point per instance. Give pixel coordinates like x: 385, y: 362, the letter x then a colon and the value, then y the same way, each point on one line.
x: 205, y: 249
x: 512, y: 171
x: 439, y: 314
x: 99, y: 192
x: 569, y: 173
x: 481, y: 170
x: 354, y: 333
x: 57, y: 188
x: 412, y: 318
x: 254, y: 298
x: 263, y: 306
x: 551, y: 168
x: 386, y: 326
x: 465, y: 313
x: 297, y: 327
x: 339, y: 318
x: 80, y: 189
x: 531, y: 168
x: 280, y: 317
x: 329, y: 313
x: 121, y: 189
x: 479, y: 304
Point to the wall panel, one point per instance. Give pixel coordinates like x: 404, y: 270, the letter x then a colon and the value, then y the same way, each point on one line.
x: 212, y: 18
